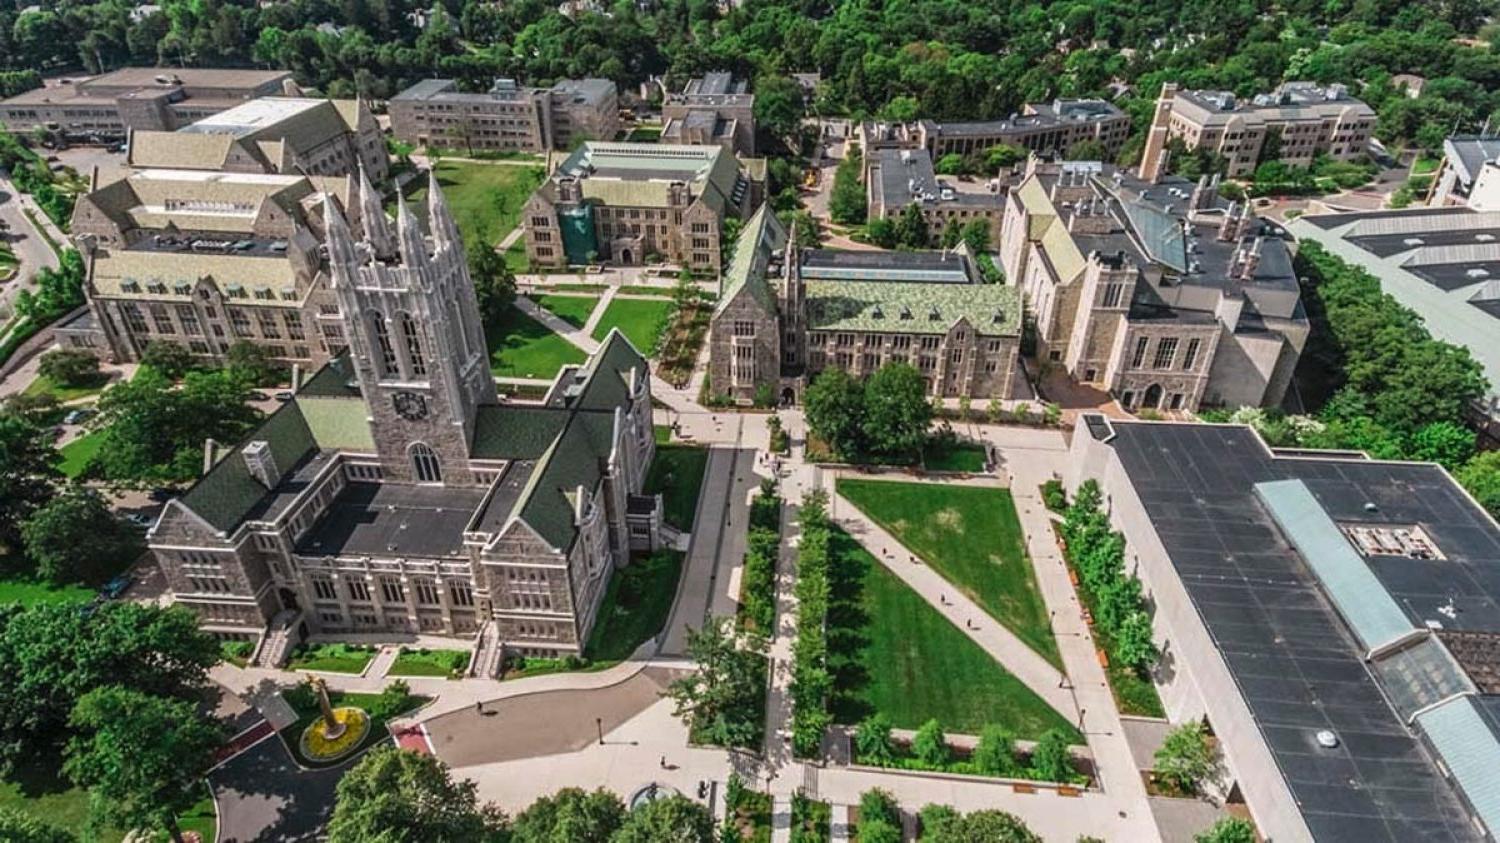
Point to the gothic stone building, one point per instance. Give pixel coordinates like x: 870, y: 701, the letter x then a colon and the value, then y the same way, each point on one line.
x: 626, y: 202
x: 394, y: 494
x: 787, y: 314
x: 1160, y: 293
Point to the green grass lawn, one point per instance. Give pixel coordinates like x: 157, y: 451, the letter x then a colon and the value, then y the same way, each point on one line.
x: 644, y: 134
x: 968, y: 458
x: 486, y: 199
x: 971, y: 536
x: 236, y: 653
x: 77, y: 454
x: 521, y: 347
x: 332, y: 658
x: 677, y: 473
x: 44, y: 385
x: 39, y: 789
x: 573, y: 309
x: 641, y: 320
x: 29, y: 592
x: 515, y: 257
x: 200, y: 818
x: 430, y: 663
x: 635, y: 607
x: 1424, y: 165
x: 891, y: 652
x: 663, y: 433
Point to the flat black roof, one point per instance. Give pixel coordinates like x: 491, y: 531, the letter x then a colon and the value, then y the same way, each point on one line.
x: 394, y: 520
x: 507, y: 492
x: 1295, y: 662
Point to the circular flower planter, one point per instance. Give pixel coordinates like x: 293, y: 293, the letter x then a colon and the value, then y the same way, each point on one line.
x: 319, y: 747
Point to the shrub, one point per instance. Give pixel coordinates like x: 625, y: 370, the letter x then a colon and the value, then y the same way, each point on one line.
x: 995, y: 754
x: 1228, y: 830
x: 872, y: 740
x: 1050, y: 761
x: 876, y: 805
x: 930, y: 745
x: 1185, y: 760
x: 1054, y: 496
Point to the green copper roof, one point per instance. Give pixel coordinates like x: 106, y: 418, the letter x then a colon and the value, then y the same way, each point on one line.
x: 338, y: 424
x: 762, y: 235
x: 912, y: 308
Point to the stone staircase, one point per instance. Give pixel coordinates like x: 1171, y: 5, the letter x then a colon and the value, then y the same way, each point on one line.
x: 488, y: 653
x: 279, y: 639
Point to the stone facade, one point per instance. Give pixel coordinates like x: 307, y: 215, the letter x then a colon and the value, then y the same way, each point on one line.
x: 711, y: 109
x: 509, y: 117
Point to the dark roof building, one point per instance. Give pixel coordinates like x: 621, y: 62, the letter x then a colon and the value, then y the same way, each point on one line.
x: 1335, y: 618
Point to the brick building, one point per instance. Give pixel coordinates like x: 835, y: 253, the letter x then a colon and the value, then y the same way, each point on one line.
x: 712, y: 109
x: 896, y: 178
x: 1044, y: 128
x: 507, y: 118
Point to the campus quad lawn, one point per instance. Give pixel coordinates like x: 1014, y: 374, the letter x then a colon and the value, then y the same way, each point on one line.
x: 677, y: 473
x: 971, y: 536
x: 77, y: 454
x: 891, y: 652
x: 641, y: 320
x: 635, y: 606
x: 44, y: 385
x: 515, y: 258
x: 429, y: 663
x: 573, y: 310
x: 521, y: 347
x: 486, y: 199
x: 331, y: 658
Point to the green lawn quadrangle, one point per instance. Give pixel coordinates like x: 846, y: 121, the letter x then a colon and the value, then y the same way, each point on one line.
x: 77, y: 454
x: 572, y: 309
x: 972, y: 537
x: 485, y: 198
x: 521, y: 347
x: 641, y: 320
x: 891, y: 652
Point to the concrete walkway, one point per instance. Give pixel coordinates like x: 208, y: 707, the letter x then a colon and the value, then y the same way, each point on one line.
x: 1010, y: 651
x: 576, y: 336
x: 593, y: 320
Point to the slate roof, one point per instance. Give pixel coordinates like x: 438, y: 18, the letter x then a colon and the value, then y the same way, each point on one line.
x: 227, y: 494
x: 991, y: 309
x: 1468, y: 154
x: 761, y: 236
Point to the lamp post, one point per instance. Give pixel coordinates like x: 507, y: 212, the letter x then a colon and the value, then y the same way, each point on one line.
x: 599, y: 723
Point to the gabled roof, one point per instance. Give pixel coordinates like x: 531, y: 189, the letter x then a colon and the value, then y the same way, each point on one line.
x: 761, y: 236
x: 1049, y: 231
x: 903, y: 307
x: 226, y: 495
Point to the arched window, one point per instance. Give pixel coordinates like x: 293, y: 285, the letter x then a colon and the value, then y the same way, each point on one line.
x: 425, y: 463
x: 413, y: 339
x: 383, y: 347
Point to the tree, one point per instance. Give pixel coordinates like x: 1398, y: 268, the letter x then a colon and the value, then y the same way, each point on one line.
x: 930, y: 745
x: 879, y: 818
x: 570, y: 815
x: 69, y: 367
x: 1133, y: 644
x: 75, y: 538
x: 1003, y: 155
x: 952, y: 234
x: 1481, y: 476
x: 835, y: 404
x: 1185, y: 760
x: 882, y: 232
x: 897, y: 414
x: 1227, y: 830
x: 1050, y: 761
x: 494, y: 283
x: 976, y: 235
x: 140, y: 756
x: 911, y: 228
x: 995, y: 754
x: 720, y: 698
x: 778, y: 105
x: 52, y: 654
x: 1087, y: 150
x: 1447, y: 443
x: 901, y: 109
x: 846, y: 199
x: 872, y: 740
x: 28, y: 465
x: 988, y: 826
x: 251, y: 363
x: 396, y: 795
x: 951, y: 164
x: 19, y: 827
x: 170, y: 358
x: 154, y: 433
x: 675, y: 819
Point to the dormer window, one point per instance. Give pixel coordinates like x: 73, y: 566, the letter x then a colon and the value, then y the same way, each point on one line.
x: 933, y: 315
x: 905, y: 312
x: 877, y: 313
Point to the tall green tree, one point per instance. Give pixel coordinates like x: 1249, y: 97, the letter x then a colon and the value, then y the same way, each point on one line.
x: 142, y: 757
x: 897, y: 413
x: 1481, y: 477
x: 170, y: 358
x: 846, y: 200
x: 778, y: 105
x: 911, y: 228
x: 407, y: 797
x: 1185, y: 759
x: 675, y: 819
x: 835, y: 406
x: 494, y: 283
x: 28, y: 467
x: 570, y: 815
x: 69, y: 367
x: 720, y: 699
x: 154, y: 433
x: 1227, y: 830
x: 75, y: 538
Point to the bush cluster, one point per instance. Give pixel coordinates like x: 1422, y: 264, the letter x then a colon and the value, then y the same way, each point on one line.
x: 758, y: 592
x: 812, y: 683
x: 1098, y: 554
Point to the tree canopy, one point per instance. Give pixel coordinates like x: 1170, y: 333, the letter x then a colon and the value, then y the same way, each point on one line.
x: 396, y: 796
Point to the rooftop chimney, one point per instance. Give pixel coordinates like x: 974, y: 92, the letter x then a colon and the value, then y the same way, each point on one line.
x: 261, y: 463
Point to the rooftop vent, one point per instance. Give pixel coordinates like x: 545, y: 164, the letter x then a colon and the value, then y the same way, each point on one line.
x: 877, y: 313
x: 1477, y: 272
x: 1413, y: 241
x: 905, y: 312
x: 1327, y: 739
x: 1485, y: 237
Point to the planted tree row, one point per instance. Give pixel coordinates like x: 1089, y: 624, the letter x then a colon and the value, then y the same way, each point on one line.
x: 812, y: 683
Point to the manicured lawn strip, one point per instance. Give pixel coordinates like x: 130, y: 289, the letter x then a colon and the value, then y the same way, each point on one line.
x: 429, y: 663
x: 331, y: 658
x: 39, y: 789
x: 515, y: 258
x: 635, y: 606
x: 972, y: 537
x: 236, y: 653
x: 44, y: 385
x: 521, y: 667
x: 380, y: 708
x: 644, y: 134
x: 78, y: 453
x: 576, y: 288
x: 574, y: 310
x: 486, y: 199
x: 200, y: 818
x: 663, y: 433
x: 677, y: 474
x: 641, y: 320
x: 31, y: 593
x: 521, y: 347
x: 967, y: 458
x: 891, y: 652
x: 640, y: 290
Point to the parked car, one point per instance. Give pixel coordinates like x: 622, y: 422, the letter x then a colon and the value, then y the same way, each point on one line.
x: 163, y: 494
x: 259, y: 396
x: 139, y: 520
x: 285, y: 395
x: 116, y: 587
x: 77, y: 416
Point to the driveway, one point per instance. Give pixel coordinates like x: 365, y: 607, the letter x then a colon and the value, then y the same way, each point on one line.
x: 264, y: 797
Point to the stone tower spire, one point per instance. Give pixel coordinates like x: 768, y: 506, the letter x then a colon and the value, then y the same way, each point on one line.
x: 439, y: 218
x: 372, y: 216
x: 413, y: 249
x: 342, y: 257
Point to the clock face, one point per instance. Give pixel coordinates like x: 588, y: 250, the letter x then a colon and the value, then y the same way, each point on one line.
x: 410, y: 406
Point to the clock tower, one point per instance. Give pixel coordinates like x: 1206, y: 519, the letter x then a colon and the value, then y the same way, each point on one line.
x: 415, y: 338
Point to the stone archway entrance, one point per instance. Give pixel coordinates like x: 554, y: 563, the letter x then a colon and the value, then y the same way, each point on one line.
x: 1152, y: 398
x: 289, y: 600
x: 626, y: 257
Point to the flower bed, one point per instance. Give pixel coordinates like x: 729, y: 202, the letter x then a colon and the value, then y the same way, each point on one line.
x: 316, y: 747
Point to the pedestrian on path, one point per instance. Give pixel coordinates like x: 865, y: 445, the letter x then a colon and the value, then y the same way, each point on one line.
x: 479, y: 706
x: 664, y: 762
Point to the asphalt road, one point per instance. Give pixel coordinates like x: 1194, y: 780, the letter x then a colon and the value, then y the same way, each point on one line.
x: 264, y: 797
x: 24, y: 240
